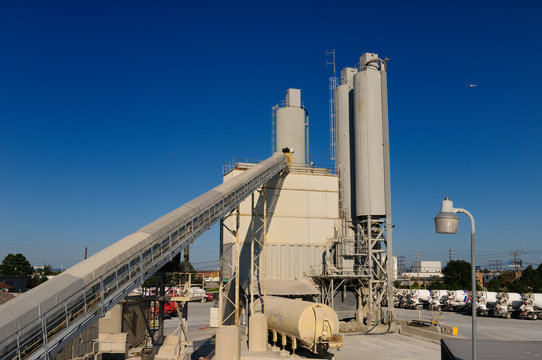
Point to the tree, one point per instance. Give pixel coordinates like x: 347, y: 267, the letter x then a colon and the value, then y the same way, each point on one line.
x: 494, y: 285
x: 16, y: 265
x: 457, y: 274
x: 517, y: 286
x: 40, y: 275
x: 437, y: 285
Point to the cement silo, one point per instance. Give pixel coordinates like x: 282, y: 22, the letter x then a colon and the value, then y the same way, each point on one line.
x: 368, y: 134
x: 291, y: 126
x: 344, y: 120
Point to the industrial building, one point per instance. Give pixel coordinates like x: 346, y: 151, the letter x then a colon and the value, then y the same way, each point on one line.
x: 299, y: 246
x: 317, y: 233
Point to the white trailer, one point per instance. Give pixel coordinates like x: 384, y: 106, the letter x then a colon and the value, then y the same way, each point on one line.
x: 457, y: 300
x: 419, y: 299
x: 507, y: 303
x: 532, y: 306
x: 485, y: 302
x: 439, y: 299
x: 402, y: 299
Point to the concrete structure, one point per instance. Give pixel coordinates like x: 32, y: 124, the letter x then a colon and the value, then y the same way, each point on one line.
x: 300, y: 209
x: 122, y: 327
x: 369, y: 152
x: 257, y: 338
x: 292, y: 126
x: 344, y: 117
x: 83, y: 344
x: 228, y: 343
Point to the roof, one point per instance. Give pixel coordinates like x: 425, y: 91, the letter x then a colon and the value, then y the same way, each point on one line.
x: 285, y: 287
x: 3, y: 285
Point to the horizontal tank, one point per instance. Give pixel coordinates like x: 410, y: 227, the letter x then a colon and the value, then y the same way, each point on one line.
x: 459, y: 296
x: 423, y: 295
x: 315, y: 326
x: 510, y: 298
x: 369, y: 150
x: 486, y: 297
x: 291, y: 127
x: 534, y: 300
x: 439, y: 294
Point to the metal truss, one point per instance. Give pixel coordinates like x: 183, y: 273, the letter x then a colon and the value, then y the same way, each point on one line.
x: 228, y: 296
x: 371, y: 253
x: 258, y: 256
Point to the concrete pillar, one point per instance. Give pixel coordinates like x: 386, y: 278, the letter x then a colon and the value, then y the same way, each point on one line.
x: 228, y: 343
x: 257, y: 332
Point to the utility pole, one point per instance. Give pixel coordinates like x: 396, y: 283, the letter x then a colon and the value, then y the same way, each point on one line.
x: 450, y: 254
x: 85, y: 252
x: 418, y: 268
x: 517, y: 260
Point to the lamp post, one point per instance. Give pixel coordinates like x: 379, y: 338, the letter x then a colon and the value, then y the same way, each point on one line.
x: 446, y: 222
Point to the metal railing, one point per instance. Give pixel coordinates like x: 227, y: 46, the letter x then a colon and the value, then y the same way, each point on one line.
x: 55, y: 328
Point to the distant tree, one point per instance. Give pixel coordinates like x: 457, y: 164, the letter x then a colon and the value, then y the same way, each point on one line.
x: 517, y: 286
x: 529, y: 276
x: 457, y: 274
x: 494, y: 285
x: 437, y: 285
x: 40, y: 275
x: 507, y: 278
x: 16, y: 265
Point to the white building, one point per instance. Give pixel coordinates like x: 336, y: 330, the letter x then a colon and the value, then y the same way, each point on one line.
x: 426, y: 267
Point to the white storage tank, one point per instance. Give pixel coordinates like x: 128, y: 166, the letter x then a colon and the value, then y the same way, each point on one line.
x: 533, y: 299
x: 344, y: 137
x: 423, y: 295
x: 291, y: 126
x: 458, y: 296
x: 369, y: 151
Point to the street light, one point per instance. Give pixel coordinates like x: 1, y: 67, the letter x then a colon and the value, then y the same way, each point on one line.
x: 446, y: 222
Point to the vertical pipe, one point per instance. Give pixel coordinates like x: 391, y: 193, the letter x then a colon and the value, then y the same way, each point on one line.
x: 307, y: 157
x: 253, y: 238
x: 332, y: 294
x: 162, y: 293
x: 221, y: 276
x: 264, y: 246
x: 473, y: 300
x: 387, y: 184
x: 370, y: 265
x: 237, y: 221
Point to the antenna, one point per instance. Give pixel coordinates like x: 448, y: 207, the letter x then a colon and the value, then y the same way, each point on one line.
x: 330, y: 60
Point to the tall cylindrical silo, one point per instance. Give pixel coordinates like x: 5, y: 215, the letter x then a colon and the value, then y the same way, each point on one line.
x: 369, y: 152
x: 344, y: 115
x: 291, y: 127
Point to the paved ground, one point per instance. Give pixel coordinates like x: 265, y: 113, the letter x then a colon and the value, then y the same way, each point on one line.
x: 198, y: 328
x: 378, y: 347
x: 488, y: 327
x: 386, y: 347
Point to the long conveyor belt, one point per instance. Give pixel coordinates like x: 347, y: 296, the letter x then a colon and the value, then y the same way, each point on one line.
x: 40, y: 322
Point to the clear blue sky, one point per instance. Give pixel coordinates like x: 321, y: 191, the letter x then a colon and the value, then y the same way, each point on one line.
x: 115, y: 113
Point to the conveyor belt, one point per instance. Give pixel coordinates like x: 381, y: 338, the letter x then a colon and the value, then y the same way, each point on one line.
x: 40, y: 322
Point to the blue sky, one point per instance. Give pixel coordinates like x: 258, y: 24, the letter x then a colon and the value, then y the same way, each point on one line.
x: 114, y: 113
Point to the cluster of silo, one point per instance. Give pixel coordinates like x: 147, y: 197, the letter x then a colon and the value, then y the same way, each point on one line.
x: 361, y: 134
